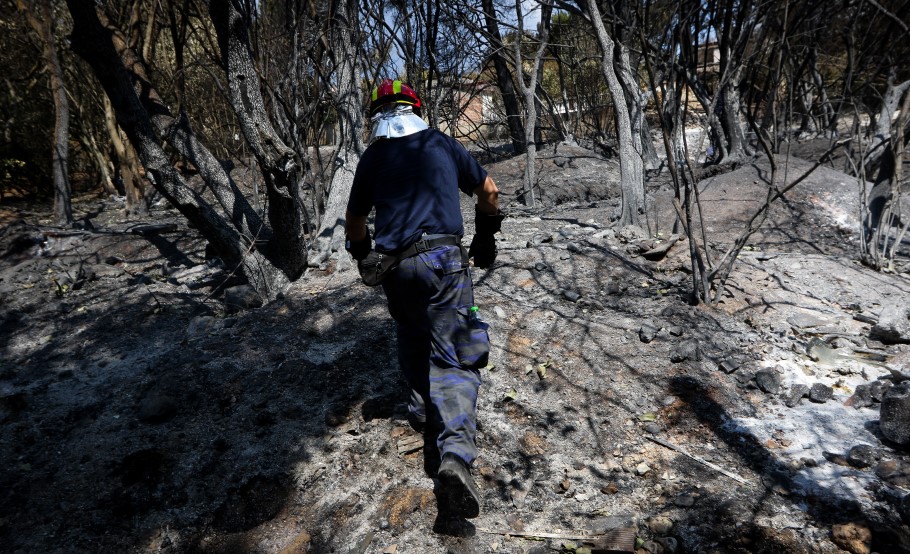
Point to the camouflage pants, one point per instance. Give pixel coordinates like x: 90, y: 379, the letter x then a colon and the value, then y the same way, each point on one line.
x: 441, y: 345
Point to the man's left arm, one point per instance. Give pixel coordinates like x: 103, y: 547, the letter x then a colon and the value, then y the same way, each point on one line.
x: 487, y: 222
x: 487, y: 197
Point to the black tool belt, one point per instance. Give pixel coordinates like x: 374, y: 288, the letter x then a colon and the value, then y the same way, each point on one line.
x: 427, y: 243
x: 375, y: 268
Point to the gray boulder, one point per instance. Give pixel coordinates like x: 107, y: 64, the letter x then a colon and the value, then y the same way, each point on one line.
x: 768, y: 380
x: 893, y: 324
x: 796, y: 393
x: 894, y: 420
x: 686, y: 350
x: 820, y: 393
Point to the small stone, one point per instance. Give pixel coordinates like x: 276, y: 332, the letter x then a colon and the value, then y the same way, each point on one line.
x: 768, y: 380
x: 652, y: 428
x: 796, y: 394
x: 820, y: 393
x: 836, y: 458
x: 540, y: 266
x: 744, y: 377
x: 614, y: 286
x: 642, y: 468
x: 894, y: 472
x: 728, y: 366
x: 686, y: 350
x: 809, y: 462
x: 862, y: 397
x: 852, y: 537
x: 570, y: 295
x: 647, y: 333
x: 676, y: 330
x: 515, y: 522
x: 611, y: 488
x: 670, y: 544
x: 565, y: 484
x: 660, y: 525
x: 652, y: 547
x: 862, y: 456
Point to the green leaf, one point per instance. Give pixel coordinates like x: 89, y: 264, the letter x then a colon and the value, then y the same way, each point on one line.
x: 647, y: 416
x: 510, y: 396
x: 528, y: 369
x: 542, y: 371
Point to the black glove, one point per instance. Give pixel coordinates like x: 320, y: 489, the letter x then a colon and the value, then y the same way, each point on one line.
x: 483, y: 246
x: 359, y: 249
x: 486, y: 224
x: 483, y: 250
x: 370, y: 268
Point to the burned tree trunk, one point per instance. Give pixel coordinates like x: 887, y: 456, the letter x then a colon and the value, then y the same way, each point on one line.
x: 504, y: 79
x: 128, y: 165
x: 237, y: 233
x: 631, y: 169
x: 277, y: 161
x: 43, y: 25
x: 349, y: 103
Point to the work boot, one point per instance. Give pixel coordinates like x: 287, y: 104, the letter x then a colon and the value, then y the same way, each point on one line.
x: 458, y: 495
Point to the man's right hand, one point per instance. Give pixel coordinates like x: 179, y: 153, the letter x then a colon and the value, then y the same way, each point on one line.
x: 359, y: 249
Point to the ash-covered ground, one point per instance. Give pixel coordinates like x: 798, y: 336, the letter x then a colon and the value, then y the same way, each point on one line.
x: 139, y: 415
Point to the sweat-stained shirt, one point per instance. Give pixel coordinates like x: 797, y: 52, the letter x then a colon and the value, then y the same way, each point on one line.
x: 413, y: 183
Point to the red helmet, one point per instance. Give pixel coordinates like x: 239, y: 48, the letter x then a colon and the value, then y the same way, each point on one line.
x: 393, y: 92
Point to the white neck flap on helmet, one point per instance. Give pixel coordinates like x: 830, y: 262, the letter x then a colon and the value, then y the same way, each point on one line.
x: 400, y: 122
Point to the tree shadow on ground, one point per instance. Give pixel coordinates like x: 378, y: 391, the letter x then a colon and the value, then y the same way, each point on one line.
x: 121, y: 431
x: 825, y: 507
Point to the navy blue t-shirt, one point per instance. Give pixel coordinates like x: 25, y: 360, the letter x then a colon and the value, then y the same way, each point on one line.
x: 413, y: 182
